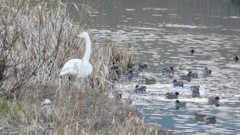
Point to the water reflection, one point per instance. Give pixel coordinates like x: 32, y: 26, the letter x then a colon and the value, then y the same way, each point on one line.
x: 162, y: 32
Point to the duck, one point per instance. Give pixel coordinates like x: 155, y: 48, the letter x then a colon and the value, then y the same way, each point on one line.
x: 46, y: 102
x: 210, y: 120
x: 207, y: 71
x: 114, y: 67
x: 199, y: 117
x: 128, y: 101
x: 195, y: 94
x: 179, y: 104
x: 171, y: 95
x: 195, y: 88
x: 186, y: 77
x: 235, y: 58
x: 142, y: 67
x: 192, y: 50
x: 169, y: 70
x: 116, y: 74
x: 177, y: 83
x: 131, y: 74
x: 118, y: 95
x: 195, y: 91
x: 150, y: 80
x: 214, y: 101
x: 193, y: 75
x: 130, y: 64
x: 140, y: 89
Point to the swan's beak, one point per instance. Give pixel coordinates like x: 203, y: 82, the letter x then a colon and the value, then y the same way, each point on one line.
x: 78, y: 36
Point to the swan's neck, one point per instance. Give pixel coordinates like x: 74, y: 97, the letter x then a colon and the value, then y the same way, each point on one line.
x: 88, y: 49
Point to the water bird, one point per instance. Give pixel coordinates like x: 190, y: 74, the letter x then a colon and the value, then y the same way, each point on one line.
x: 186, y: 77
x: 169, y: 70
x: 142, y: 67
x: 214, y: 101
x: 193, y: 75
x: 130, y: 65
x: 116, y: 73
x: 118, y: 95
x: 235, y: 58
x: 128, y: 101
x: 192, y: 50
x: 177, y: 83
x: 171, y: 95
x: 195, y: 88
x: 210, y: 120
x: 80, y: 68
x: 131, y: 74
x: 199, y: 117
x: 150, y: 80
x: 195, y: 94
x: 114, y: 67
x: 206, y: 71
x: 47, y: 102
x: 195, y: 91
x: 140, y: 89
x: 179, y: 104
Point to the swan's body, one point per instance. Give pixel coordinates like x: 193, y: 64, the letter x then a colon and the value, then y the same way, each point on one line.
x: 77, y: 67
x: 80, y: 68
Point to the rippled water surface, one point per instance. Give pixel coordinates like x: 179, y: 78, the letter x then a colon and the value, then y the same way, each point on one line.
x: 162, y: 31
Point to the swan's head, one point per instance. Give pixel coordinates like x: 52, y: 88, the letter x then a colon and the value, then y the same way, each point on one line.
x: 83, y: 35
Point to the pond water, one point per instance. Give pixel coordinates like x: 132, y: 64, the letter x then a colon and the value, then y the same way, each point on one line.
x: 162, y: 32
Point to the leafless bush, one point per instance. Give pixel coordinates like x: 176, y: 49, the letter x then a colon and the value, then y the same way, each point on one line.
x: 34, y: 43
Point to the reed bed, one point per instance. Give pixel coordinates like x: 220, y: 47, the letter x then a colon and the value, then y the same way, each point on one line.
x: 35, y: 43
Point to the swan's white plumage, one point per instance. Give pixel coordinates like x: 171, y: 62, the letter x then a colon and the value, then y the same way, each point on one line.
x: 77, y: 67
x: 80, y: 68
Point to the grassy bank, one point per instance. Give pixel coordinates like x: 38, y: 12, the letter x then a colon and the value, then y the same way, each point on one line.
x: 35, y: 43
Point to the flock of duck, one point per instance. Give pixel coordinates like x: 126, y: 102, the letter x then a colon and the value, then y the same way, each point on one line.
x: 82, y: 68
x: 214, y: 100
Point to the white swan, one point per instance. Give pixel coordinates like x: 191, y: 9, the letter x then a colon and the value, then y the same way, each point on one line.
x: 80, y: 68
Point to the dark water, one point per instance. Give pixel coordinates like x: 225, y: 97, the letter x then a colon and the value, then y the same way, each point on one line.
x: 162, y: 31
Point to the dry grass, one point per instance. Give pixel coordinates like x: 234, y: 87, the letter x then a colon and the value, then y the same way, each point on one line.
x: 35, y: 43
